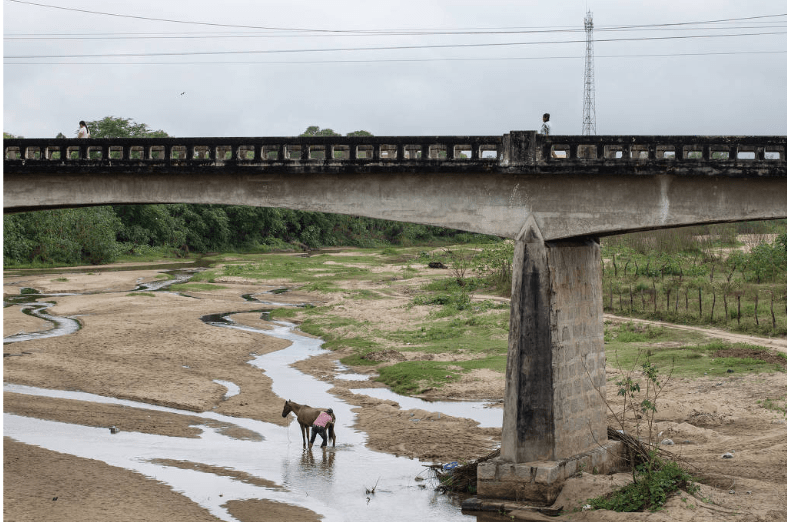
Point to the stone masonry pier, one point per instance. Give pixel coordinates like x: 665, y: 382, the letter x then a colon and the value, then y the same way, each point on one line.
x: 554, y: 196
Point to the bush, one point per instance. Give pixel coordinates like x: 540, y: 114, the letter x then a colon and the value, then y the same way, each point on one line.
x: 654, y: 481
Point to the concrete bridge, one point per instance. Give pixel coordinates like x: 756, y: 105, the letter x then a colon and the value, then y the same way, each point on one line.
x: 553, y: 195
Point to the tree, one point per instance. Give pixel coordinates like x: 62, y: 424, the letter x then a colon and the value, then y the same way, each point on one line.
x: 114, y: 127
x: 314, y: 130
x: 359, y: 133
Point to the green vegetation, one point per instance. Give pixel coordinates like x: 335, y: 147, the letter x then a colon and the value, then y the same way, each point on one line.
x: 655, y: 474
x: 654, y: 481
x: 778, y: 405
x: 689, y: 353
x: 702, y: 276
x: 413, y: 377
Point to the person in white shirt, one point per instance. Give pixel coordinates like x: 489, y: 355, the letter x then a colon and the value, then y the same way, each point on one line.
x: 84, y: 132
x: 545, y: 130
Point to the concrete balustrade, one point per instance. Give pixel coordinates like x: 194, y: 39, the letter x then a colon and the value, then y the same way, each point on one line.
x: 268, y: 151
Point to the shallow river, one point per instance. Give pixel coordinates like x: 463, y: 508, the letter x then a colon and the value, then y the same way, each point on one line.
x: 331, y: 482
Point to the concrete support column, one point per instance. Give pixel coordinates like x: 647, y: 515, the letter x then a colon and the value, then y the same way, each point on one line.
x: 554, y: 421
x: 555, y: 352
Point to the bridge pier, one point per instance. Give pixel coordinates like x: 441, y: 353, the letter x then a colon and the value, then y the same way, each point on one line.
x: 554, y: 421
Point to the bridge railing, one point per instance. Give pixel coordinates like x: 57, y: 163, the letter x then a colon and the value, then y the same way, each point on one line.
x: 273, y: 150
x: 533, y: 149
x: 556, y: 149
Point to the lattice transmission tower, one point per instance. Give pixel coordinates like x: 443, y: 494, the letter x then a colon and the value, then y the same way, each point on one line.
x: 589, y: 105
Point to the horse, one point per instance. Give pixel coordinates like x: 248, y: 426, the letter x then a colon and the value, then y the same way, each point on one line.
x: 306, y: 416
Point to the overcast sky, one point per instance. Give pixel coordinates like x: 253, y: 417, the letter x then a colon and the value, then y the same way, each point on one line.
x: 272, y: 73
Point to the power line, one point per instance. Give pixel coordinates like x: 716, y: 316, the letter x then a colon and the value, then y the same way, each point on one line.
x: 208, y: 36
x: 383, y: 48
x: 301, y: 29
x: 409, y: 60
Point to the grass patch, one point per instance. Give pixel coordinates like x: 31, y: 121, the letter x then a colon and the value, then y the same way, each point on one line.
x: 778, y: 405
x: 413, y: 377
x: 313, y: 269
x: 475, y: 334
x: 60, y: 280
x: 715, y: 358
x: 366, y: 294
x: 654, y: 482
x: 283, y: 313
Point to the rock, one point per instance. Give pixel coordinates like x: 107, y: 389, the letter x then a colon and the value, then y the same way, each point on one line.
x: 732, y: 492
x: 667, y: 442
x: 727, y: 456
x: 730, y: 370
x: 114, y: 429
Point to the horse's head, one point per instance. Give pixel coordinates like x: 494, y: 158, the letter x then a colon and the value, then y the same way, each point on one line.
x: 287, y: 409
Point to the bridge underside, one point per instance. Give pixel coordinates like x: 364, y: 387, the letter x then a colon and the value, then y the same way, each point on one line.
x: 563, y: 206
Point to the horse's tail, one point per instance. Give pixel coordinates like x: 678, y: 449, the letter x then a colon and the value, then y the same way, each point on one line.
x: 332, y: 433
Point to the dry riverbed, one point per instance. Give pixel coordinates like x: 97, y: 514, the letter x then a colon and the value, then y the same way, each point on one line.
x: 155, y: 349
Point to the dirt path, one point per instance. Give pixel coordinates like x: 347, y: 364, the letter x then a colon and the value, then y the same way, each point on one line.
x: 715, y: 333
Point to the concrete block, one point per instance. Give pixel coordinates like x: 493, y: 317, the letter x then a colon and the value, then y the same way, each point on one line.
x: 570, y: 468
x: 487, y: 470
x: 547, y: 472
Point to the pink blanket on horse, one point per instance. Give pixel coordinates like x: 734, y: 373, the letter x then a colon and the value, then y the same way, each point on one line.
x: 323, y: 419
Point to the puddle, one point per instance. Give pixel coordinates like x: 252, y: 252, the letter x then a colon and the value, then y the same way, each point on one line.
x: 178, y: 276
x: 332, y: 483
x: 232, y: 388
x: 62, y: 325
x: 346, y: 374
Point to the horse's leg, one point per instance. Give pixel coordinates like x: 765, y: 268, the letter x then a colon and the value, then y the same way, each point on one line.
x: 304, y: 433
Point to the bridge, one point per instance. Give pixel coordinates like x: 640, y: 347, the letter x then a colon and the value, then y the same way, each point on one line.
x: 554, y: 196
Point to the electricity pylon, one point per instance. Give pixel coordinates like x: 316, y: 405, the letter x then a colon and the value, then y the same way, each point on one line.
x: 589, y: 105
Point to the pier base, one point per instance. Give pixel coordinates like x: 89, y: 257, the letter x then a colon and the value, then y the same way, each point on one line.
x: 554, y: 421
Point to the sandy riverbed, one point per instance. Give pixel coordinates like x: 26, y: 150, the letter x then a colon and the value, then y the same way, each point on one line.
x: 156, y: 350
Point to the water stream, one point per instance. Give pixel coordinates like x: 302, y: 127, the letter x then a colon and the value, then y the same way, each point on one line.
x: 332, y: 482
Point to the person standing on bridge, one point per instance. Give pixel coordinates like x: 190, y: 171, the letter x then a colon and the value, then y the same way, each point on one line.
x: 545, y: 125
x: 545, y: 130
x: 84, y: 132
